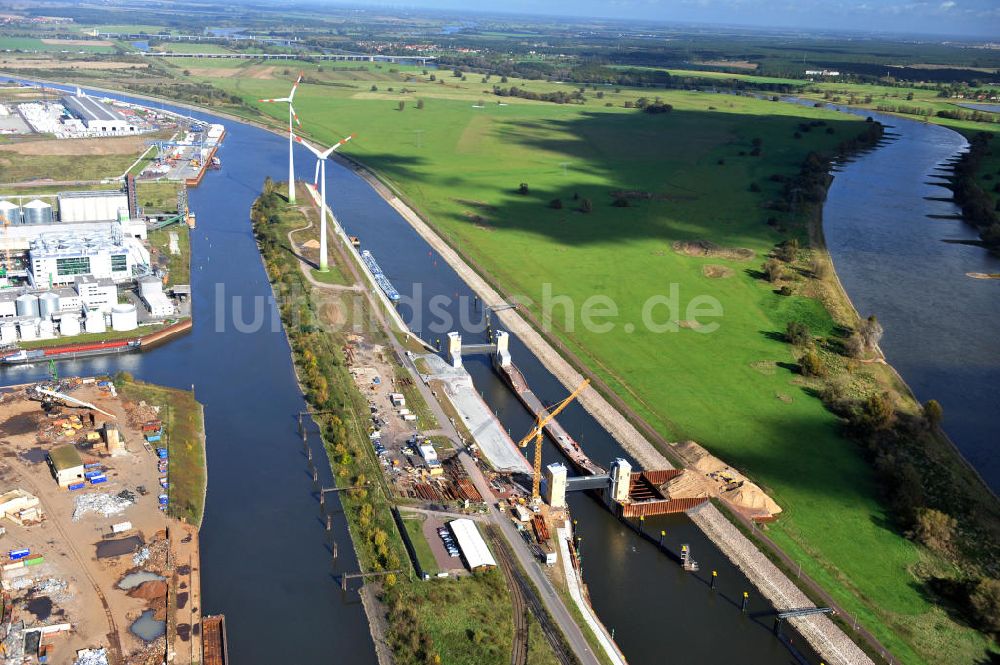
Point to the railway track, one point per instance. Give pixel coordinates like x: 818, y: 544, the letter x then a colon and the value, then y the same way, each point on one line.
x: 524, y: 599
x: 115, y: 655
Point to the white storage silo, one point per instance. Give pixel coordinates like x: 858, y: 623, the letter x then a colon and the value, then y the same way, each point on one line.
x: 95, y: 322
x: 28, y: 329
x: 149, y: 285
x: 27, y: 305
x: 69, y: 326
x: 11, y: 211
x: 46, y: 330
x: 8, y: 332
x: 124, y: 317
x: 48, y: 304
x: 37, y: 212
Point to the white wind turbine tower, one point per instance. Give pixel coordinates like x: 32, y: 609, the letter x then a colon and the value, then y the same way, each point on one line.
x: 291, y: 116
x: 321, y: 157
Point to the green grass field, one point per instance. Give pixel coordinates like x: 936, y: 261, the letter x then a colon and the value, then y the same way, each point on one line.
x: 414, y: 524
x: 191, y: 47
x: 460, y: 167
x: 36, y: 44
x: 21, y: 168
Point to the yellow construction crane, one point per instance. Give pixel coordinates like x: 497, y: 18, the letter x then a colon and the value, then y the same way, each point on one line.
x: 538, y: 431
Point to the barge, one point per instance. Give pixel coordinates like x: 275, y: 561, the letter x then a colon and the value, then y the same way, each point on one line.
x: 70, y: 351
x: 379, y: 277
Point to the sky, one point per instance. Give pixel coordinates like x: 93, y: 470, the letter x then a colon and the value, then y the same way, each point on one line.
x: 969, y: 18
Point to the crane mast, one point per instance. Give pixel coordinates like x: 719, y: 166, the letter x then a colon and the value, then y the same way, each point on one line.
x: 538, y: 431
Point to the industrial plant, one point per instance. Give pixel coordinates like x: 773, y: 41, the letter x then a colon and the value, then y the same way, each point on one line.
x: 78, y: 262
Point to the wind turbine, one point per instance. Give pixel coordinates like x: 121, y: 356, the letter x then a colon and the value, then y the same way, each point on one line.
x: 321, y: 157
x: 291, y: 116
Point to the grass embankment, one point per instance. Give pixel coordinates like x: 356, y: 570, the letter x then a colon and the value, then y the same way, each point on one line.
x: 466, y: 621
x: 184, y: 438
x: 22, y: 168
x: 86, y: 338
x: 689, y: 175
x: 178, y: 266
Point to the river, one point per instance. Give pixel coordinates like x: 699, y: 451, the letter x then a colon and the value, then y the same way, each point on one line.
x: 265, y: 560
x: 886, y: 226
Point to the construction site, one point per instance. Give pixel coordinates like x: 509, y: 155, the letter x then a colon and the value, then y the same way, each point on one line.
x: 94, y: 570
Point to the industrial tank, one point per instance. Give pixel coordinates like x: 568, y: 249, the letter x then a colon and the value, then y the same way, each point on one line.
x: 28, y: 329
x: 124, y: 317
x: 46, y: 330
x: 37, y: 212
x: 27, y: 305
x: 48, y: 304
x: 11, y: 211
x: 8, y: 332
x: 95, y: 322
x: 69, y: 326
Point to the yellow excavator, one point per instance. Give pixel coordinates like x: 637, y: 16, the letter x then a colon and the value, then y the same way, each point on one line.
x: 538, y: 431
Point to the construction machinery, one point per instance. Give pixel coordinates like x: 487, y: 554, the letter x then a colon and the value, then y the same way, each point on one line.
x: 538, y: 431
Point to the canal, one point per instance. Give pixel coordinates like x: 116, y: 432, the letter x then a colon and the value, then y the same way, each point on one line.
x: 264, y: 550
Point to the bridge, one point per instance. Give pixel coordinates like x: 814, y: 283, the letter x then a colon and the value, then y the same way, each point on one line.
x: 343, y: 57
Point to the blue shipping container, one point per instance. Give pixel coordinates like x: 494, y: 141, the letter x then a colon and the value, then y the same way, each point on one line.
x: 92, y: 465
x: 98, y: 481
x: 92, y: 474
x: 75, y: 486
x: 153, y: 438
x: 19, y: 554
x: 161, y: 453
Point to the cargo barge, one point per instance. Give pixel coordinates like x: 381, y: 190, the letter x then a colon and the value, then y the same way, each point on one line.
x: 515, y: 380
x: 215, y: 647
x: 379, y: 277
x: 70, y: 351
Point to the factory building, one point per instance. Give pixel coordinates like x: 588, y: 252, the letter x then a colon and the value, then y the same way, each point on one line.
x: 97, y: 206
x: 59, y: 258
x: 96, y: 294
x: 157, y: 302
x: 65, y: 464
x: 96, y: 116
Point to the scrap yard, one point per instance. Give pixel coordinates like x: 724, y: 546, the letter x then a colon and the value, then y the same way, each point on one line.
x: 94, y: 569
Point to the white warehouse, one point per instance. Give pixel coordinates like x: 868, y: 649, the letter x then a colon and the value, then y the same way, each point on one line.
x: 97, y: 116
x: 97, y: 206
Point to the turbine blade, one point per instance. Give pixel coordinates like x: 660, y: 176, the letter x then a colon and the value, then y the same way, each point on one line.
x: 295, y: 115
x: 337, y: 145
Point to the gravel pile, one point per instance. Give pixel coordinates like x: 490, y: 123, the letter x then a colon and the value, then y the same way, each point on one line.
x: 825, y: 636
x: 107, y: 505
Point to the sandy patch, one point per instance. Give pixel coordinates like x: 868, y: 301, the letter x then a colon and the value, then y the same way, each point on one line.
x: 69, y: 64
x: 765, y: 367
x: 710, y: 249
x: 735, y: 64
x: 77, y: 42
x: 716, y: 272
x: 128, y: 145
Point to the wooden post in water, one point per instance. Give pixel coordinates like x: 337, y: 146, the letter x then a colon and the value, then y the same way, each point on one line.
x: 329, y: 521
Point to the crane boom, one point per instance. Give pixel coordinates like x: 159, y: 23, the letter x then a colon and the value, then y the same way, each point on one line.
x: 538, y: 430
